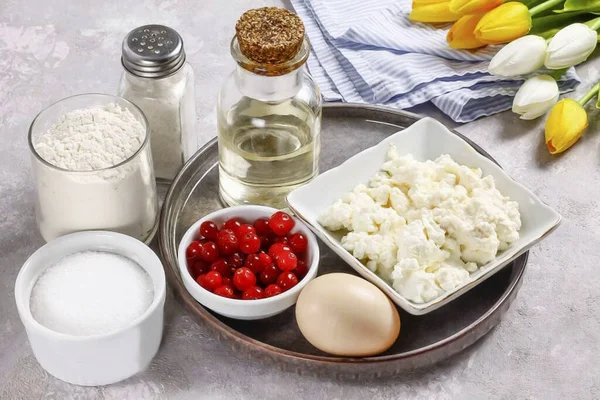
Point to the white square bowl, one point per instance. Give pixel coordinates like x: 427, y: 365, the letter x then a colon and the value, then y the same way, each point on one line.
x: 426, y: 139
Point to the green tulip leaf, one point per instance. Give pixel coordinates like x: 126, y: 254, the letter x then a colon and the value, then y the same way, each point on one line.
x: 548, y: 26
x: 557, y: 74
x: 557, y: 21
x: 580, y: 5
x: 532, y: 3
x: 549, y: 34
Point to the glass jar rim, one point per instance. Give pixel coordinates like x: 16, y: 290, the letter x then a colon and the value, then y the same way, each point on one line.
x: 270, y: 69
x: 143, y: 145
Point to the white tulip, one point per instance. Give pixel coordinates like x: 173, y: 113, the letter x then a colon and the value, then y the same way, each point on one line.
x: 520, y: 57
x: 535, y: 97
x: 572, y: 45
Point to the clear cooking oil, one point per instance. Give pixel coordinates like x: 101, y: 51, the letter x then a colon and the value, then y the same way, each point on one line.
x: 267, y: 151
x: 269, y: 112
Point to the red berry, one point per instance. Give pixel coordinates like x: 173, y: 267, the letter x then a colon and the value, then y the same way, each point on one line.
x: 209, y: 230
x: 298, y: 242
x: 198, y: 267
x: 244, y: 229
x: 221, y: 266
x: 286, y: 261
x: 213, y: 280
x: 227, y: 242
x: 243, y: 278
x: 201, y: 280
x: 272, y: 290
x: 301, y: 269
x: 287, y: 280
x: 236, y: 260
x: 253, y: 293
x: 209, y: 252
x: 249, y: 243
x: 265, y: 259
x: 278, y: 248
x: 193, y: 250
x: 262, y: 227
x: 269, y: 274
x: 281, y: 223
x: 226, y: 281
x: 253, y: 262
x: 265, y: 242
x: 224, y: 291
x: 282, y: 240
x: 232, y: 224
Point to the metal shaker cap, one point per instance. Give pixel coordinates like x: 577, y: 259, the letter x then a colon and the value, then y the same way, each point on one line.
x: 153, y: 51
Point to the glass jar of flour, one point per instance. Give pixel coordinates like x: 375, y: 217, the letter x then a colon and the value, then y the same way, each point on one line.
x: 160, y: 82
x: 92, y: 168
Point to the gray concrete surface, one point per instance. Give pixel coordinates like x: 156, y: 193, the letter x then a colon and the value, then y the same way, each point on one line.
x: 546, y: 347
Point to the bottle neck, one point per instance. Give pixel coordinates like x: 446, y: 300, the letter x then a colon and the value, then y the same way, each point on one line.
x: 269, y: 88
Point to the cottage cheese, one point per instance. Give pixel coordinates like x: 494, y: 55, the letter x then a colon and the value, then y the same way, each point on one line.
x: 425, y: 226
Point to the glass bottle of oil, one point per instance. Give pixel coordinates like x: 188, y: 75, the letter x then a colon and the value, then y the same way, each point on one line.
x: 269, y: 112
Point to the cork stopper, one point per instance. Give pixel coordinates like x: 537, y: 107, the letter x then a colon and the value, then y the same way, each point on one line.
x: 269, y: 35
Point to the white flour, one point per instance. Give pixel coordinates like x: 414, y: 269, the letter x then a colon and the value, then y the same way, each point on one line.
x: 91, y: 139
x: 91, y: 194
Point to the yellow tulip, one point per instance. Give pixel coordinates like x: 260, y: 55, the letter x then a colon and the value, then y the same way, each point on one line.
x: 461, y: 35
x: 423, y: 2
x: 565, y: 125
x: 432, y: 11
x: 464, y: 7
x: 504, y: 23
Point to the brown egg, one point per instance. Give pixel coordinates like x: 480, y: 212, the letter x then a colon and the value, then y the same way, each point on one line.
x: 345, y: 315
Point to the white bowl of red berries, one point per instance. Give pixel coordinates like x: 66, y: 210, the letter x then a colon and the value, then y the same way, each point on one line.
x: 248, y: 262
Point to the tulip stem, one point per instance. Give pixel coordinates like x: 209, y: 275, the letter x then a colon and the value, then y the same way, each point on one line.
x: 589, y: 95
x: 544, y: 6
x: 594, y: 24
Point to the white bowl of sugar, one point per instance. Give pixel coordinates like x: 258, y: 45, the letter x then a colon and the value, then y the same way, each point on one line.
x: 92, y: 305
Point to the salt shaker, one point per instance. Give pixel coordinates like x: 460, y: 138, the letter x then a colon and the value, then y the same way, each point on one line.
x: 160, y: 82
x: 268, y: 112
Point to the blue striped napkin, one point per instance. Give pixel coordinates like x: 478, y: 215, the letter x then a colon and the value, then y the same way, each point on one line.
x: 368, y: 51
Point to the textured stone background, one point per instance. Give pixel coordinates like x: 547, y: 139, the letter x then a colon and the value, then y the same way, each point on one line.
x: 546, y: 347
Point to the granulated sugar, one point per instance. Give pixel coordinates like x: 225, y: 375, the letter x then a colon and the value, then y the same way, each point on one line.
x: 91, y: 293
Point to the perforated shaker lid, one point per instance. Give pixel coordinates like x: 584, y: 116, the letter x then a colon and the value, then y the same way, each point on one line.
x: 153, y: 51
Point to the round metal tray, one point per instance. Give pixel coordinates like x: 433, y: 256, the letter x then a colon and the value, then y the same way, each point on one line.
x: 424, y: 340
